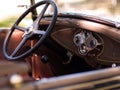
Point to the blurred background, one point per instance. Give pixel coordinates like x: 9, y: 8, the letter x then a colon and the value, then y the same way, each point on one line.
x: 10, y: 10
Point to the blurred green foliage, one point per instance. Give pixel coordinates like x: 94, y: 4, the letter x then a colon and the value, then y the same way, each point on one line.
x: 8, y: 22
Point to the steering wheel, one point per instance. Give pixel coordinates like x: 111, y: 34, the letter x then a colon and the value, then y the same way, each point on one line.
x: 30, y: 31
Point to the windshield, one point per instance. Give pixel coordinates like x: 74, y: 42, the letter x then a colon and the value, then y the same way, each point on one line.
x: 102, y: 8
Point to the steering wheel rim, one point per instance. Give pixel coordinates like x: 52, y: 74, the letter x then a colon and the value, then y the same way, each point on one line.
x: 31, y: 31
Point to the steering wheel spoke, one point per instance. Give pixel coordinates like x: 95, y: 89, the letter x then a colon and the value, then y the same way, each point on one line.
x: 21, y: 44
x: 20, y: 28
x: 42, y: 13
x: 39, y: 32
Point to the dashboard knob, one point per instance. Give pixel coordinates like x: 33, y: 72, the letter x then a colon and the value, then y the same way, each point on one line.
x: 44, y: 59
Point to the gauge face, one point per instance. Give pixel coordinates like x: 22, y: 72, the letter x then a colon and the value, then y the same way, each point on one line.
x: 85, y: 42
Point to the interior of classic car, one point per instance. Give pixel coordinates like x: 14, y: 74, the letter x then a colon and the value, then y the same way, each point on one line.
x: 61, y: 43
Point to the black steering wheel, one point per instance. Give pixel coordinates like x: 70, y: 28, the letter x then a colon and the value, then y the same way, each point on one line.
x: 31, y: 31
